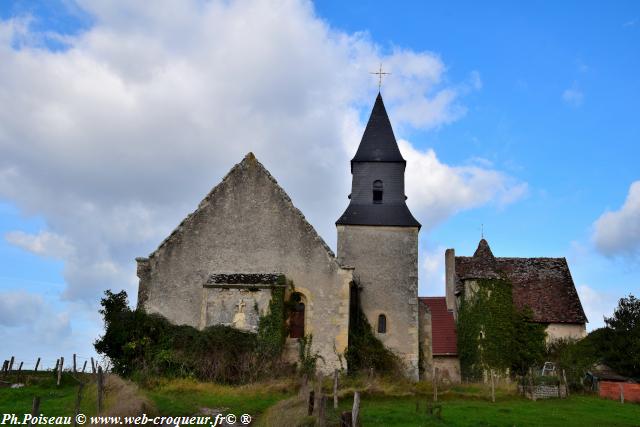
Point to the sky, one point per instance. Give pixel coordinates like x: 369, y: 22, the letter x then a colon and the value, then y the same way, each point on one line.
x: 517, y: 120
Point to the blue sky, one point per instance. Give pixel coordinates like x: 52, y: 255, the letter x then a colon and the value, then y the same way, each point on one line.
x: 538, y: 121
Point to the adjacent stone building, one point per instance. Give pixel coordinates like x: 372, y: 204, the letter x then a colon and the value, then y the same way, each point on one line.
x: 544, y: 285
x: 221, y: 265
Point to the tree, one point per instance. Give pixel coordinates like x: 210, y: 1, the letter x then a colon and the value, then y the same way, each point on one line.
x: 622, y: 349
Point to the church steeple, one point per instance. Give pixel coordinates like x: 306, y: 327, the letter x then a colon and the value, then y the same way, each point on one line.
x: 378, y: 143
x: 377, y: 189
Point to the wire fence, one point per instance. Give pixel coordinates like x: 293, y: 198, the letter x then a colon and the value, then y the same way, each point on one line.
x: 75, y: 363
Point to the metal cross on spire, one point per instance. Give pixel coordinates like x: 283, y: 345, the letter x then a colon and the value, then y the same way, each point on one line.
x: 482, y: 231
x: 380, y: 73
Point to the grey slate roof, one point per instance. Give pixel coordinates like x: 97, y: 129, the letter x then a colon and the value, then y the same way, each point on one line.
x: 378, y: 148
x: 544, y: 285
x: 378, y: 143
x: 395, y: 215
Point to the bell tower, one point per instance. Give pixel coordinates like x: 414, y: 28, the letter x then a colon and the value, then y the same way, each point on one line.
x: 378, y: 236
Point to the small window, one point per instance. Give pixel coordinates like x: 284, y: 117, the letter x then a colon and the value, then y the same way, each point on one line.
x: 377, y: 191
x: 382, y: 324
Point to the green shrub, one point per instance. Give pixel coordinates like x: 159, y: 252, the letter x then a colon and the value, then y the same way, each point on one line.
x: 148, y: 344
x: 365, y: 350
x: 307, y: 360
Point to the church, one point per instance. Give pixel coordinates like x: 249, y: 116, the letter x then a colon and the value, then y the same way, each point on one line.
x: 246, y: 238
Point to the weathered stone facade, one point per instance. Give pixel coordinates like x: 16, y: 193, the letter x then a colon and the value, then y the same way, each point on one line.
x: 556, y: 331
x: 386, y: 268
x: 447, y: 369
x: 248, y: 226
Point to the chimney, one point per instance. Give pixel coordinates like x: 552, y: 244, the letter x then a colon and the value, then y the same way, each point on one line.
x: 450, y: 272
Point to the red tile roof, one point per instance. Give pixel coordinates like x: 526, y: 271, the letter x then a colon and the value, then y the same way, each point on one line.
x: 443, y: 326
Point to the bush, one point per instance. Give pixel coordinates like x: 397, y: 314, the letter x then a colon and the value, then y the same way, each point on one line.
x: 148, y: 344
x: 620, y: 345
x: 574, y: 357
x: 365, y: 350
x: 307, y: 360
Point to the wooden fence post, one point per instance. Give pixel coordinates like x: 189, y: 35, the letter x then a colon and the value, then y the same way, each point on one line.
x: 84, y: 366
x: 35, y: 408
x: 345, y: 419
x: 318, y: 388
x: 100, y: 389
x: 493, y: 388
x: 322, y: 419
x: 60, y: 369
x: 57, y: 364
x: 5, y: 366
x: 621, y: 392
x: 11, y: 364
x: 304, y: 388
x: 20, y: 367
x: 335, y: 389
x: 566, y: 384
x: 77, y: 408
x: 37, y: 364
x: 74, y: 363
x: 435, y: 384
x: 355, y: 412
x: 312, y: 400
x: 93, y: 366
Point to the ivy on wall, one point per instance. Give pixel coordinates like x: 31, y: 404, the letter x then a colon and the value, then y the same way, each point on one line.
x: 272, y: 331
x: 148, y: 345
x: 365, y: 350
x: 493, y: 334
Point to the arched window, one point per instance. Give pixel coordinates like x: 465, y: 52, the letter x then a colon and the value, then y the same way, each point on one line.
x: 296, y: 317
x: 377, y: 191
x: 382, y: 324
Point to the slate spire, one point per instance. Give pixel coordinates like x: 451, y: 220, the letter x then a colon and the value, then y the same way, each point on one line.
x: 378, y: 143
x: 377, y: 189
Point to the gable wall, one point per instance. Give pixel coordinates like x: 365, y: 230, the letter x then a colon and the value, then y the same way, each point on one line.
x: 248, y: 225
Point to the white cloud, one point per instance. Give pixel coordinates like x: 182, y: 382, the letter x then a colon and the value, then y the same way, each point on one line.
x: 19, y: 307
x: 115, y: 139
x: 44, y: 243
x: 618, y: 232
x: 436, y: 190
x: 573, y: 96
x: 596, y: 304
x: 432, y: 271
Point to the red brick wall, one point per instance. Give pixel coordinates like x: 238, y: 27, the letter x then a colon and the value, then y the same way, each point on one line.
x: 611, y: 390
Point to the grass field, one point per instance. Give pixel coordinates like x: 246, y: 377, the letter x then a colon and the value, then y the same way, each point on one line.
x: 188, y: 397
x: 579, y: 411
x: 275, y: 403
x: 54, y: 400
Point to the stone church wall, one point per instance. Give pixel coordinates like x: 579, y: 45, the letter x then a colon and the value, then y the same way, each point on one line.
x: 426, y: 339
x: 247, y: 224
x: 386, y: 266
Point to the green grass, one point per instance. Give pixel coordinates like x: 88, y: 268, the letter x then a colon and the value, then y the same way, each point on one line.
x: 188, y: 397
x: 384, y: 403
x: 54, y: 400
x: 580, y: 411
